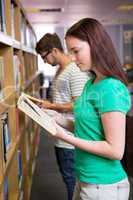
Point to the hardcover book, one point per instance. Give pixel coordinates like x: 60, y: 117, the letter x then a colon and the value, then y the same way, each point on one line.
x: 26, y: 105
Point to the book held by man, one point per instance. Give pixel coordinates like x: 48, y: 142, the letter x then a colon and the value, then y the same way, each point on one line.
x: 26, y: 104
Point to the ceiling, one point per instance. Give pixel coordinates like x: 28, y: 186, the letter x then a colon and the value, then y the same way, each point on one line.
x: 107, y: 11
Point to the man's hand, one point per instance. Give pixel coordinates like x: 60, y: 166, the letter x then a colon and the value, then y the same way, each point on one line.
x: 47, y: 104
x: 65, y: 107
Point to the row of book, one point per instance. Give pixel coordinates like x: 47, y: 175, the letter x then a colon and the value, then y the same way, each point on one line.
x: 27, y: 36
x: 25, y: 29
x: 6, y: 184
x: 16, y: 72
x: 6, y: 145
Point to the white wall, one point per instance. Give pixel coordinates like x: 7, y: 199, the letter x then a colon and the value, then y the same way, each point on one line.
x: 40, y: 30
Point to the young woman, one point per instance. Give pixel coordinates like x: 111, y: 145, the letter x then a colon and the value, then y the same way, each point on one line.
x: 99, y: 133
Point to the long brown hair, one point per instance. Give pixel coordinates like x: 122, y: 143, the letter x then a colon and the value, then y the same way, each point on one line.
x: 103, y: 54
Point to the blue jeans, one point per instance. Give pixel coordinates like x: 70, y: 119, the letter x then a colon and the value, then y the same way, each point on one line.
x: 65, y: 160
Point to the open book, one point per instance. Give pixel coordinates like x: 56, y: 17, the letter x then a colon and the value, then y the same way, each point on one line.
x: 36, y: 113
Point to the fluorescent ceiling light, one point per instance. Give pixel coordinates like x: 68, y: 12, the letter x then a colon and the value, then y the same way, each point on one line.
x: 38, y: 10
x: 125, y: 7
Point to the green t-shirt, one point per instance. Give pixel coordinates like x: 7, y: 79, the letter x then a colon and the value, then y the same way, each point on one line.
x: 107, y: 95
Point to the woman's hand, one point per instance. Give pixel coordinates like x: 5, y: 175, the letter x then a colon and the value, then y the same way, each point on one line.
x: 58, y: 117
x: 60, y: 133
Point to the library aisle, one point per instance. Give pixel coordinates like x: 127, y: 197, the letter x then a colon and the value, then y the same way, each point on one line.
x: 47, y: 181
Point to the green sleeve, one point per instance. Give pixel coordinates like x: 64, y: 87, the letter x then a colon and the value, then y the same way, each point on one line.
x: 114, y: 98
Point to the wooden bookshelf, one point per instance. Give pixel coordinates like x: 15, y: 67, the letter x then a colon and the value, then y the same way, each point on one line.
x: 19, y: 135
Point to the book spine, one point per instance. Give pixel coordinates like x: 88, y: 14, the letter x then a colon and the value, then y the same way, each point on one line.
x: 1, y: 77
x: 5, y: 135
x: 2, y: 16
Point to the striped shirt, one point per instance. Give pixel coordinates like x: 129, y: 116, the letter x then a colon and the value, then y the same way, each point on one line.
x: 69, y: 83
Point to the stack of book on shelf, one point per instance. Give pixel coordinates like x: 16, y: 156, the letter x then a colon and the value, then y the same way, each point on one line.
x: 6, y: 141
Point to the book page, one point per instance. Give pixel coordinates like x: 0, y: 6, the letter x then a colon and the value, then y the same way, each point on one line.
x: 34, y: 99
x: 37, y: 114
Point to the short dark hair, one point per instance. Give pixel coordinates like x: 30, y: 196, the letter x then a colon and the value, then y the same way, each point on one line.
x: 103, y: 53
x: 48, y: 42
